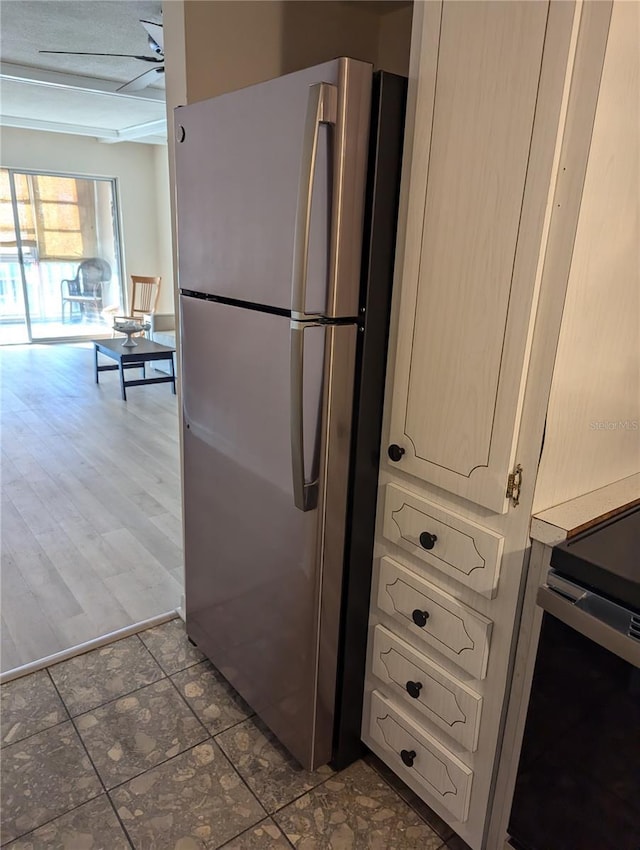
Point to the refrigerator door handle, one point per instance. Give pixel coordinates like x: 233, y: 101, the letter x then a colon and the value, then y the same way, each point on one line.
x: 305, y: 493
x: 322, y: 108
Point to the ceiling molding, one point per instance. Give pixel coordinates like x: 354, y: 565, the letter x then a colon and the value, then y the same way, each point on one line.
x: 151, y: 133
x: 147, y: 140
x: 57, y: 127
x: 142, y: 133
x: 59, y: 79
x: 148, y: 132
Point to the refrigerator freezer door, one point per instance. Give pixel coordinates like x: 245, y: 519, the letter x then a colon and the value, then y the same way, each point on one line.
x: 263, y: 577
x: 243, y: 182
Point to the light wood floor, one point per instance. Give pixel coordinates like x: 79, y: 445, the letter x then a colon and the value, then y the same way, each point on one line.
x: 91, y: 530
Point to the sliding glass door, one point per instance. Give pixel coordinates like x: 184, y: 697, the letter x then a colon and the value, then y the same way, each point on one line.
x: 59, y: 257
x: 13, y: 311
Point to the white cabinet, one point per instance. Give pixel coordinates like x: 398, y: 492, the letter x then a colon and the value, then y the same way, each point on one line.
x: 477, y: 201
x: 452, y: 544
x: 502, y: 100
x: 593, y: 419
x: 435, y: 617
x: 420, y: 757
x: 434, y: 692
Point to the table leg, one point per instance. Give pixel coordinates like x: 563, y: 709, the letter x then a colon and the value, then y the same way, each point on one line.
x: 122, y: 386
x: 95, y: 352
x: 173, y: 375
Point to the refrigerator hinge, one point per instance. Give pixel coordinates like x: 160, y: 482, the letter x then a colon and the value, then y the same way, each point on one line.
x: 514, y: 484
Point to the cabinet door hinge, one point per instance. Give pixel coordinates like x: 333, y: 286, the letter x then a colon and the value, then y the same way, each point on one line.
x: 514, y: 483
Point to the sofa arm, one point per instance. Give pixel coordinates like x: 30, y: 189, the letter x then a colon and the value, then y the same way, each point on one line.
x: 162, y: 322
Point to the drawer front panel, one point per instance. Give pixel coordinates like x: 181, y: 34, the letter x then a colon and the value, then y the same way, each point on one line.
x: 456, y: 546
x: 426, y: 686
x: 412, y: 751
x: 460, y: 634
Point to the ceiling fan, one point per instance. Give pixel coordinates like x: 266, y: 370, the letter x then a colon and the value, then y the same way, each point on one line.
x: 156, y: 44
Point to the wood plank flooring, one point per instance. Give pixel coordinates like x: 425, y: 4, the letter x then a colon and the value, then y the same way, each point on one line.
x: 91, y: 529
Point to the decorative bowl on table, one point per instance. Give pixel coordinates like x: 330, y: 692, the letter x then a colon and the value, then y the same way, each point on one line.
x: 130, y: 327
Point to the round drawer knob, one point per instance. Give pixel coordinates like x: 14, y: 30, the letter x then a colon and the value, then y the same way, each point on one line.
x: 395, y: 452
x: 427, y: 541
x: 413, y: 689
x: 407, y: 757
x: 420, y: 617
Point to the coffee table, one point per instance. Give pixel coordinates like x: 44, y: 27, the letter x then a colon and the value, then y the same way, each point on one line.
x: 144, y: 351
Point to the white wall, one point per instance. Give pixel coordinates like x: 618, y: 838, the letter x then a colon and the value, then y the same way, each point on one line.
x: 164, y: 247
x: 175, y: 95
x: 394, y: 39
x: 593, y: 420
x: 142, y: 176
x: 230, y: 44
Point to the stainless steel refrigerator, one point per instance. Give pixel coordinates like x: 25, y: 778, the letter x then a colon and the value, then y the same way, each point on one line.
x: 287, y: 199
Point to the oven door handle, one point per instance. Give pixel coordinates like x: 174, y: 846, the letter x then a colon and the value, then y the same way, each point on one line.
x: 591, y: 627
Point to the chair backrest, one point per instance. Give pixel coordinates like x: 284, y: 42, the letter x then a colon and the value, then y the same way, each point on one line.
x: 144, y: 295
x: 92, y: 273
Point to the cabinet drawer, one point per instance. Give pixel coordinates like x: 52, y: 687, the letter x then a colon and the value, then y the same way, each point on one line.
x: 460, y: 634
x: 412, y: 751
x: 448, y: 703
x: 456, y: 546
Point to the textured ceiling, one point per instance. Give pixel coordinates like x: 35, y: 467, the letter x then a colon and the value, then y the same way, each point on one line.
x: 76, y: 94
x: 96, y: 110
x: 105, y: 26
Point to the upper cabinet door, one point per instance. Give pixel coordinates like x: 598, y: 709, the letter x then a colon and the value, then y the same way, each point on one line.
x: 482, y: 156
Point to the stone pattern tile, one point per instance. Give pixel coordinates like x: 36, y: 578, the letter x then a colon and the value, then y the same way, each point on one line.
x: 92, y: 826
x: 138, y: 731
x: 263, y: 836
x: 194, y: 800
x: 170, y: 646
x: 28, y: 705
x: 89, y: 680
x: 273, y: 776
x: 410, y: 797
x: 43, y: 777
x: 211, y: 697
x: 186, y: 766
x: 355, y: 809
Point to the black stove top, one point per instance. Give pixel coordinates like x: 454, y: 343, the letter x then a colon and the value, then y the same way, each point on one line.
x: 605, y: 559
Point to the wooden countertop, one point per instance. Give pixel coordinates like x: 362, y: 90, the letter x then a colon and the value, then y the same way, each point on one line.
x: 556, y: 524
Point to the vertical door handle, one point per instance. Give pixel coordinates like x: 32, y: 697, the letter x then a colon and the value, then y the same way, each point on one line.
x: 305, y: 493
x: 322, y: 108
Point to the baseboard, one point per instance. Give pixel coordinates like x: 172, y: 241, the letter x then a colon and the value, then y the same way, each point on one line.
x: 87, y: 646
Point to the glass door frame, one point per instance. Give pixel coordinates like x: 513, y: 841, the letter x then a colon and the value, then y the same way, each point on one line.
x: 116, y: 224
x: 23, y: 276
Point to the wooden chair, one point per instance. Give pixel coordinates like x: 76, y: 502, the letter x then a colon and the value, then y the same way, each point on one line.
x: 144, y: 295
x: 85, y: 289
x: 144, y: 298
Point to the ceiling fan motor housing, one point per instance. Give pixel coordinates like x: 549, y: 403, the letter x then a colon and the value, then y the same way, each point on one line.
x: 153, y: 44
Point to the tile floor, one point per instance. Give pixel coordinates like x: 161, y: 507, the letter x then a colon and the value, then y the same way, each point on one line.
x: 142, y: 744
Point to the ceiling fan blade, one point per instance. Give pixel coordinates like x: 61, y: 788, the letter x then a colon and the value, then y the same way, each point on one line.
x: 142, y: 81
x: 153, y: 59
x: 155, y: 31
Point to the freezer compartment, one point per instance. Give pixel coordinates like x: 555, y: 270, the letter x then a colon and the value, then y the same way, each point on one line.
x: 264, y: 577
x: 278, y: 175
